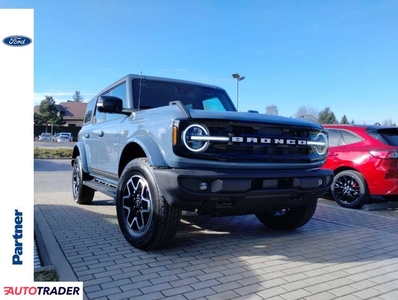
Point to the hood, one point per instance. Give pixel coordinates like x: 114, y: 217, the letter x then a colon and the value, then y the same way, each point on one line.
x: 252, y: 117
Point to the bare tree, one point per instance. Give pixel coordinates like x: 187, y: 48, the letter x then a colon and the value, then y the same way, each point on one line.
x: 272, y: 110
x: 388, y: 122
x: 307, y: 111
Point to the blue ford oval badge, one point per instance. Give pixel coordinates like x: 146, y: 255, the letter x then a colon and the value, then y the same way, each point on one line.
x: 17, y: 41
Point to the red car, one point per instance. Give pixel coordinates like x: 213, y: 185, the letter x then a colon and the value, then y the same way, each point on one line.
x: 364, y: 159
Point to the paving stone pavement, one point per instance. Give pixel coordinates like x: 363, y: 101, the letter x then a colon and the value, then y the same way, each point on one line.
x: 339, y: 254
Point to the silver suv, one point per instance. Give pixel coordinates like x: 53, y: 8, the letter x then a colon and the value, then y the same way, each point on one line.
x: 63, y: 137
x: 159, y: 146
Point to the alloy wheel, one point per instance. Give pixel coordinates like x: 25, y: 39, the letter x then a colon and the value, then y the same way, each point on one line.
x: 76, y: 179
x: 137, y: 205
x: 347, y: 189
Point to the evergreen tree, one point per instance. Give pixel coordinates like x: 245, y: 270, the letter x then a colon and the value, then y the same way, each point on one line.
x: 48, y: 113
x: 326, y: 116
x: 344, y: 120
x: 77, y: 97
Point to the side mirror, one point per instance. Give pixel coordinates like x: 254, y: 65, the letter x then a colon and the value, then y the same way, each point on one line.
x: 109, y: 104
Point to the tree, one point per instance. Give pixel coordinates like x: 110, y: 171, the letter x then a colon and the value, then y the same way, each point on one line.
x: 344, y: 120
x: 306, y: 111
x: 388, y: 122
x: 352, y: 122
x: 326, y: 116
x: 48, y: 113
x: 77, y: 97
x: 271, y: 110
x: 37, y: 119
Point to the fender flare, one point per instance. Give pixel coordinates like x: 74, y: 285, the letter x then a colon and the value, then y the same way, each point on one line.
x: 80, y: 150
x: 152, y: 150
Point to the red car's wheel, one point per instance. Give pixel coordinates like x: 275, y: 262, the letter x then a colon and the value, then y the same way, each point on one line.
x: 349, y: 189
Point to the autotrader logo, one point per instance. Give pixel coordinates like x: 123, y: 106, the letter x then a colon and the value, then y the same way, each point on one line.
x: 17, y: 41
x: 43, y: 290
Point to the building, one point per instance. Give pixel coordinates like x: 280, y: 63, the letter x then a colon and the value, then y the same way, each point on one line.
x: 72, y: 112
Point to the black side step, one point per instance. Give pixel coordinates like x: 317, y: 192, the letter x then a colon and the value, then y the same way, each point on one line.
x: 101, y: 187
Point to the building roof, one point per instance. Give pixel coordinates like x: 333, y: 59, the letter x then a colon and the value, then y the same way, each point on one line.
x: 70, y: 110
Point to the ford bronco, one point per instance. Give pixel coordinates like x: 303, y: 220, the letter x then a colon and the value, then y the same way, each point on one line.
x: 159, y: 146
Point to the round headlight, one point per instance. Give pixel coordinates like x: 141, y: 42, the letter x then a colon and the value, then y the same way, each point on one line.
x: 194, y: 138
x: 321, y: 143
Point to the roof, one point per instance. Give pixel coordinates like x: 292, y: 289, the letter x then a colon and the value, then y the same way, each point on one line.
x: 357, y: 126
x: 70, y: 110
x: 73, y: 110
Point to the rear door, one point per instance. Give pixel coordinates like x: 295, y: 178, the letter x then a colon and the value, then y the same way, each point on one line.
x: 345, y: 148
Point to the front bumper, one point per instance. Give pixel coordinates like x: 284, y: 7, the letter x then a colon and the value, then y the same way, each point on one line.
x: 237, y: 192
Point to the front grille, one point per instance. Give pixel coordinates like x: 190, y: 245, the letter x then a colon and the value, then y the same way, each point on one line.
x: 253, y: 142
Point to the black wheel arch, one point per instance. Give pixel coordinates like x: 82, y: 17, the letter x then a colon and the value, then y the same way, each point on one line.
x: 131, y: 151
x: 141, y: 146
x: 79, y: 150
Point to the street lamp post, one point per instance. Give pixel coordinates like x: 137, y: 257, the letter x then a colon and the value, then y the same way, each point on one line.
x: 238, y: 78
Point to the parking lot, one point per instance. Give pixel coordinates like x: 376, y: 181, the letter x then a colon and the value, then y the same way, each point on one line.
x: 340, y: 254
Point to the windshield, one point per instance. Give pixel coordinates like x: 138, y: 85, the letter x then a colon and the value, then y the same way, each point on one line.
x: 388, y: 136
x: 153, y: 93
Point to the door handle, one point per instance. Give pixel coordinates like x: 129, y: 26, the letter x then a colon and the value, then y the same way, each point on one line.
x: 87, y: 135
x: 333, y: 154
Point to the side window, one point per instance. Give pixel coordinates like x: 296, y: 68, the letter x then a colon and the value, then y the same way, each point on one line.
x: 350, y: 138
x: 334, y: 137
x: 99, y: 116
x: 120, y: 92
x: 89, y: 111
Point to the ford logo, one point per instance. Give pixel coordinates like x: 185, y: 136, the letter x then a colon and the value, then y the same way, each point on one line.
x: 17, y: 41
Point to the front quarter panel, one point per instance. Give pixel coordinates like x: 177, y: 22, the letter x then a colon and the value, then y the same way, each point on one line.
x: 152, y: 130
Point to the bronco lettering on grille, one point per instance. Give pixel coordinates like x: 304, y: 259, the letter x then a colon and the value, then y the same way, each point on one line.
x: 276, y: 141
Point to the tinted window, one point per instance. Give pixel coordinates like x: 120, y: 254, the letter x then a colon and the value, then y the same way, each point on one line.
x: 151, y: 93
x: 387, y: 136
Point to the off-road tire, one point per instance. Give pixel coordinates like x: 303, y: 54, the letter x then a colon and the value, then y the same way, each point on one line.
x: 145, y: 218
x: 81, y: 194
x: 289, y: 219
x: 349, y: 189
